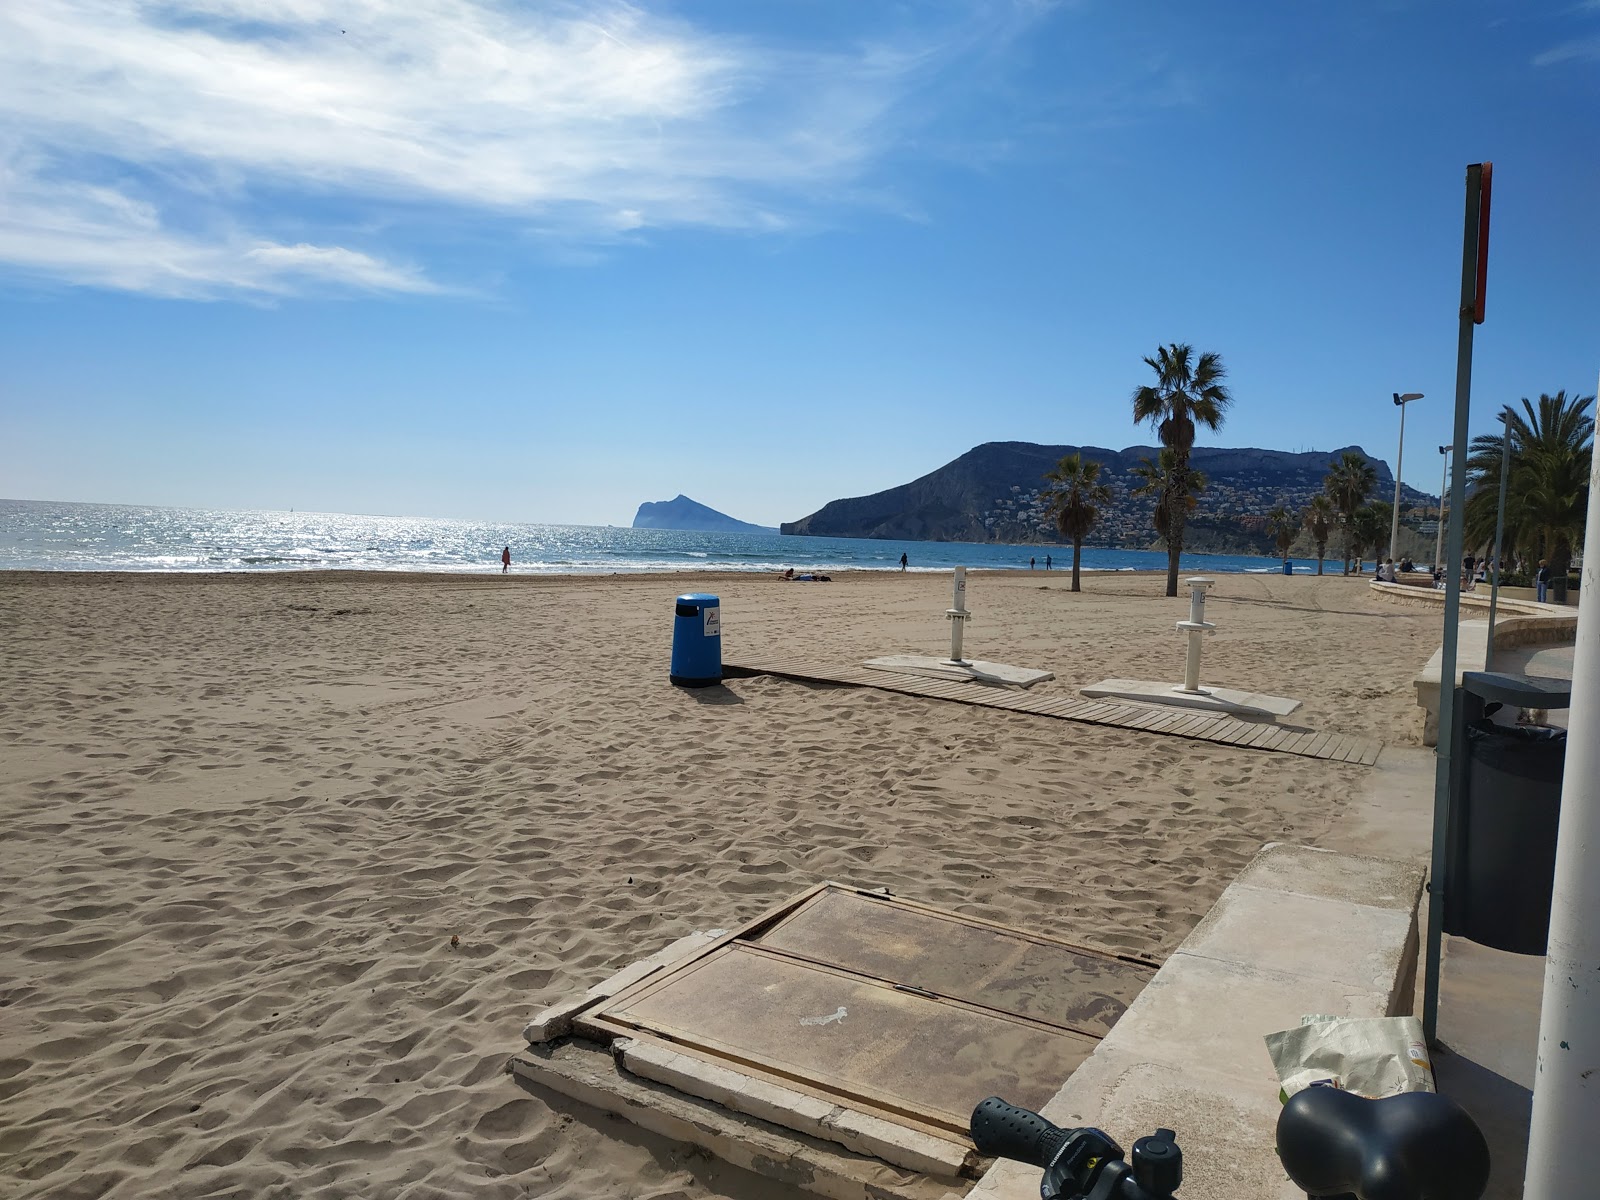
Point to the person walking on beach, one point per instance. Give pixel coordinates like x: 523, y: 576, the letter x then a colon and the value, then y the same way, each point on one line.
x: 1031, y: 561
x: 903, y: 561
x: 505, y: 560
x: 1046, y: 562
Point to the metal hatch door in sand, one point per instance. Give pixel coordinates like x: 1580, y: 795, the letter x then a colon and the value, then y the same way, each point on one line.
x: 905, y: 1012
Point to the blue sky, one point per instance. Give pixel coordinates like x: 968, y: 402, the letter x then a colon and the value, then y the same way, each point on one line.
x: 547, y: 261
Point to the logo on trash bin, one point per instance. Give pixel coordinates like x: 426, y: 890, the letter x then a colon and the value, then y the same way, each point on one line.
x: 713, y: 616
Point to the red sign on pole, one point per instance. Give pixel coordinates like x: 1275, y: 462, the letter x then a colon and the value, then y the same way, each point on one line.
x: 1483, y: 243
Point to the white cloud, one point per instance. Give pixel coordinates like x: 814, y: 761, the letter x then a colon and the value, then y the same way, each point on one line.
x: 97, y: 236
x: 1582, y: 48
x: 143, y: 139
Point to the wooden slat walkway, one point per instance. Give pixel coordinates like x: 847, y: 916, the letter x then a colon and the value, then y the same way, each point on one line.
x: 1179, y: 722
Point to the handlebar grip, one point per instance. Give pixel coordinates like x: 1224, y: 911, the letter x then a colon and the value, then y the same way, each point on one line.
x: 1006, y: 1131
x: 1411, y: 1146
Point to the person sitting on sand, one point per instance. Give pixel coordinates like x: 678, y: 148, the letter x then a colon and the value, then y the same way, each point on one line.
x: 789, y: 574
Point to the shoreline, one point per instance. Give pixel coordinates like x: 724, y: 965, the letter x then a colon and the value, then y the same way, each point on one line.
x: 325, y: 573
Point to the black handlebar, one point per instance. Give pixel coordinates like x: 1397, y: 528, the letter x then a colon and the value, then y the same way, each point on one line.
x: 1006, y: 1131
x: 1078, y: 1164
x: 1412, y: 1146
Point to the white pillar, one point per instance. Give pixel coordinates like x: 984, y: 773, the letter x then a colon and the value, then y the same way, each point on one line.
x: 1564, y: 1139
x: 1196, y: 627
x: 957, y: 614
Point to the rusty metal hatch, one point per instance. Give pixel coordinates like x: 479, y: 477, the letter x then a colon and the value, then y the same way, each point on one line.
x: 909, y: 1012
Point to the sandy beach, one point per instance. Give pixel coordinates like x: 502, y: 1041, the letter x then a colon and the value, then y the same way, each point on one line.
x: 246, y: 814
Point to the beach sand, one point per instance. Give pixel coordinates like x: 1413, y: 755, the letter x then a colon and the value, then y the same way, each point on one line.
x: 245, y: 814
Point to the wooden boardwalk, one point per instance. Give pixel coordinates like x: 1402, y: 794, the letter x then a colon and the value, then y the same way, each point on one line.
x: 1178, y: 722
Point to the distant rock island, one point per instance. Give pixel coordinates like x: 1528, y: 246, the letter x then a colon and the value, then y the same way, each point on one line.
x: 684, y: 513
x: 996, y: 493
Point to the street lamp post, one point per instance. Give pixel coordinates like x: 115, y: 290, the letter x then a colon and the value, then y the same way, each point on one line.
x: 1399, y: 458
x: 1444, y: 482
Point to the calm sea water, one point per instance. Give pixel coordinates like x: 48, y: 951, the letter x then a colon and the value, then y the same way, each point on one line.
x: 42, y: 535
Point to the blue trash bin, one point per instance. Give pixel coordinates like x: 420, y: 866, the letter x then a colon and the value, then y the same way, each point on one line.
x: 697, y: 641
x: 1288, y: 568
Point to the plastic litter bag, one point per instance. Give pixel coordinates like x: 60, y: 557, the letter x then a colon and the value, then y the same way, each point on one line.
x: 1371, y: 1056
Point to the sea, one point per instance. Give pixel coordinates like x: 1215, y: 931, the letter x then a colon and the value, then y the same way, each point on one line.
x: 40, y: 535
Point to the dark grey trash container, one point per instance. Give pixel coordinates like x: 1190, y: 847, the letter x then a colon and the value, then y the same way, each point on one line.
x: 1505, y: 810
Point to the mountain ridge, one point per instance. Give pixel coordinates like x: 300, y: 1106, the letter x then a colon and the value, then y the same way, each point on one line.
x: 683, y: 513
x: 994, y: 492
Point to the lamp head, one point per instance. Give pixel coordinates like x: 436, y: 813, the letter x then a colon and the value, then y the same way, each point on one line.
x: 1444, y: 449
x: 1407, y: 398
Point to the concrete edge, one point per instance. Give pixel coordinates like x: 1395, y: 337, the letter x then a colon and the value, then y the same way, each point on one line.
x: 1189, y: 1052
x: 1551, y: 624
x: 1416, y: 594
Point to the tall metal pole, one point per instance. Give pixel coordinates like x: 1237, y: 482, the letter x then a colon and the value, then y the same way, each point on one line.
x: 1563, y: 1151
x: 1399, y: 460
x: 1499, y: 534
x: 1444, y: 482
x: 1437, y: 880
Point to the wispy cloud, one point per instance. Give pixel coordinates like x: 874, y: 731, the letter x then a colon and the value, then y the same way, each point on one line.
x: 84, y: 233
x: 1580, y: 48
x: 178, y: 147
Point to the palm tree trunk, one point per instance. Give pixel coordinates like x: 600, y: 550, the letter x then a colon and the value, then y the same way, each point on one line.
x: 1560, y: 560
x: 1077, y: 548
x: 1177, y: 511
x: 1174, y: 549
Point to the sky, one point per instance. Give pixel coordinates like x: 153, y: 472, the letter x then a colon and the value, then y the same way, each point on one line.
x: 546, y: 261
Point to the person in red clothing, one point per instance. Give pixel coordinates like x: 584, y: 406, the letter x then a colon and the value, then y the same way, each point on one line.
x: 505, y: 560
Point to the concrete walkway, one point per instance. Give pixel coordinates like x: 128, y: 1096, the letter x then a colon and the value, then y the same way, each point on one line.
x: 1488, y: 999
x: 1299, y: 931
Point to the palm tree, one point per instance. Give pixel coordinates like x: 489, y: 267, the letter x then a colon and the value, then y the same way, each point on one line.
x: 1318, y: 519
x: 1370, y: 529
x: 1348, y: 484
x: 1547, y: 488
x: 1076, y: 497
x: 1187, y: 392
x: 1160, y: 478
x: 1282, y: 525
